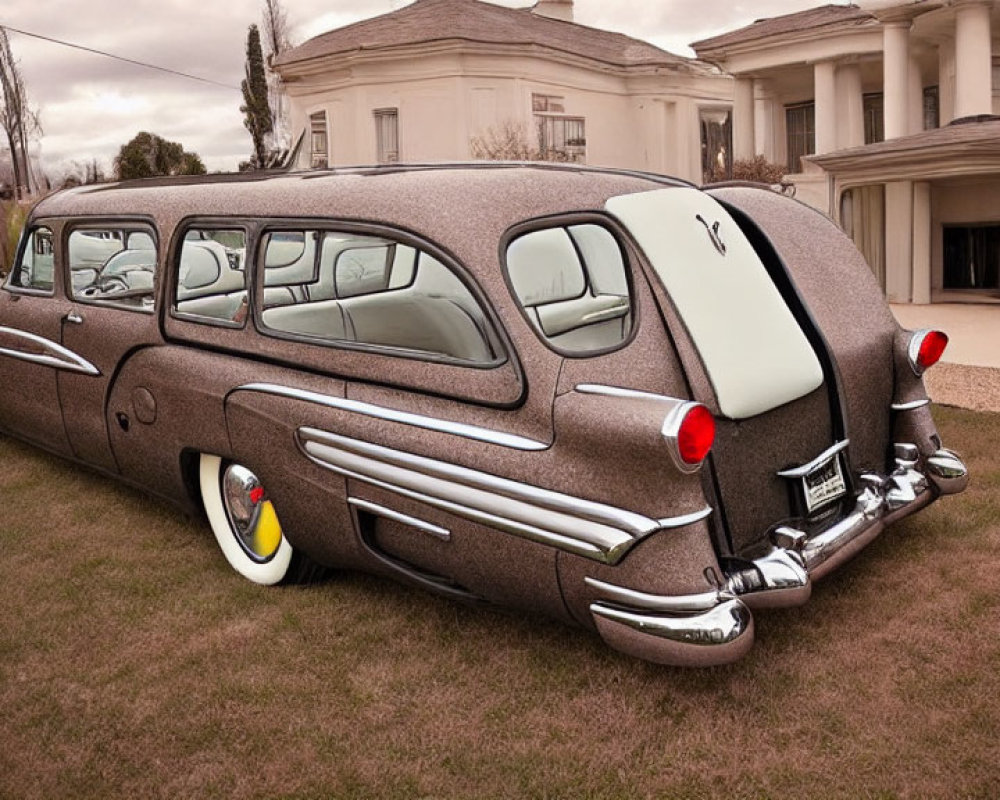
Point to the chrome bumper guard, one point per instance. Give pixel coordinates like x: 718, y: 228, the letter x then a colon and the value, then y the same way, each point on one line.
x: 716, y: 627
x: 783, y: 576
x: 687, y: 630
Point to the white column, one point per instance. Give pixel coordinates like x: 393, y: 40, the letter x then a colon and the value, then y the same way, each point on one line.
x: 896, y: 47
x: 899, y: 241
x: 852, y: 124
x: 946, y: 81
x: 973, y: 62
x: 743, y: 119
x: 915, y: 101
x: 825, y: 88
x: 921, y: 290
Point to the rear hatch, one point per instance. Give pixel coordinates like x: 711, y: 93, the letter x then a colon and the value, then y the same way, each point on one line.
x: 757, y: 355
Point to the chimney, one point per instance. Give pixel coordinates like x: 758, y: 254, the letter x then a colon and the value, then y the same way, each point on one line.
x: 556, y: 9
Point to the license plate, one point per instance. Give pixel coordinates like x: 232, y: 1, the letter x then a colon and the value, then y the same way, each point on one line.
x: 824, y: 484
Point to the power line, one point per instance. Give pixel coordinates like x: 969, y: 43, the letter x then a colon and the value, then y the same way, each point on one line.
x: 120, y: 58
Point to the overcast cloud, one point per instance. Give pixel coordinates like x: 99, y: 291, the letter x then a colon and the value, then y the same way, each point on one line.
x: 91, y: 105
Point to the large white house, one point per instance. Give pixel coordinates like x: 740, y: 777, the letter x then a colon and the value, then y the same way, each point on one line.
x: 881, y: 113
x: 419, y: 83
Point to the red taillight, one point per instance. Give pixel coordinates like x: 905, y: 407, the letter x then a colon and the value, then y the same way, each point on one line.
x: 695, y: 435
x: 926, y: 349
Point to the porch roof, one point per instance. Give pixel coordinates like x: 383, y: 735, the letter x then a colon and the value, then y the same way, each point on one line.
x: 969, y: 146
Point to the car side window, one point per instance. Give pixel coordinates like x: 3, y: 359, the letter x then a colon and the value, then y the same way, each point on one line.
x: 572, y: 284
x: 371, y: 291
x: 211, y: 281
x: 113, y: 265
x: 35, y: 268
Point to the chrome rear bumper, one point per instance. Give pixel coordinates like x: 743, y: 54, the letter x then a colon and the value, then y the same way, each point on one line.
x: 716, y: 627
x: 783, y: 576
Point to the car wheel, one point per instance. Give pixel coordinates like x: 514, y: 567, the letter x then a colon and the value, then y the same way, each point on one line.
x: 245, y: 523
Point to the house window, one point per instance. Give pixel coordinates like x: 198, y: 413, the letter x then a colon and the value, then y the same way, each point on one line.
x: 546, y: 103
x: 800, y: 126
x: 319, y: 150
x: 874, y: 112
x: 932, y: 108
x: 387, y: 135
x: 716, y: 144
x: 972, y: 257
x: 560, y: 137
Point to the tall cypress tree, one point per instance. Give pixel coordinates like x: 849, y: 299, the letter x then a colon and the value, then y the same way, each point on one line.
x: 255, y: 108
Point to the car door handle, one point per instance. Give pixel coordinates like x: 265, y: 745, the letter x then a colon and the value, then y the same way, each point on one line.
x: 73, y: 317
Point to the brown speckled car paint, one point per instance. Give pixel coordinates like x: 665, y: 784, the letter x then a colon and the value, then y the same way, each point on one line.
x: 171, y: 388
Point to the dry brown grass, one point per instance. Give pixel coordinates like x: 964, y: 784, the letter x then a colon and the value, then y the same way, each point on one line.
x: 134, y: 664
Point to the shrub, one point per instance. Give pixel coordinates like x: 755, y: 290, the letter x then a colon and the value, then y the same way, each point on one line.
x: 509, y: 141
x: 12, y: 217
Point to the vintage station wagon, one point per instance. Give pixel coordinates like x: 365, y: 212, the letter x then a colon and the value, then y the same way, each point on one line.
x: 602, y: 396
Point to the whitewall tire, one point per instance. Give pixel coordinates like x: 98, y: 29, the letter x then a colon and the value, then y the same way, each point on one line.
x: 244, y: 521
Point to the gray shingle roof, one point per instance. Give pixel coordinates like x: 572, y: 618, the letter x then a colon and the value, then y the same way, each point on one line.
x: 811, y: 19
x: 971, y: 137
x: 474, y: 21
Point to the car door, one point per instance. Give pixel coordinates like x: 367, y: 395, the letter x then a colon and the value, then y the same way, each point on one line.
x: 110, y: 274
x: 31, y: 353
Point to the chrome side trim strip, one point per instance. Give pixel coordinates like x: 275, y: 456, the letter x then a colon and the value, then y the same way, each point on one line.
x: 668, y: 604
x: 685, y: 519
x: 911, y: 405
x: 618, y: 391
x: 805, y: 469
x: 381, y: 511
x: 594, y: 530
x: 404, y: 417
x: 636, y: 525
x: 568, y: 543
x: 55, y: 354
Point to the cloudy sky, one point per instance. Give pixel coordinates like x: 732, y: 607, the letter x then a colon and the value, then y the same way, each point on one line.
x: 90, y: 105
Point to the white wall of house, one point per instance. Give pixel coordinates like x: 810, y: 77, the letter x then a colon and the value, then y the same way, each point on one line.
x: 637, y: 121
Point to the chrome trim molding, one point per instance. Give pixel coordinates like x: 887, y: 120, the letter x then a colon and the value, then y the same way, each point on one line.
x: 805, y: 469
x: 618, y: 391
x: 911, y: 405
x: 685, y: 519
x: 668, y: 604
x: 381, y: 511
x: 594, y: 530
x: 54, y: 355
x: 403, y: 417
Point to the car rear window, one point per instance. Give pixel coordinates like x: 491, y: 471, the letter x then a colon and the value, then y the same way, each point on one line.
x: 572, y: 285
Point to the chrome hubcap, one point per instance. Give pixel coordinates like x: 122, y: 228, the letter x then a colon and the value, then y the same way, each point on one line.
x: 251, y: 515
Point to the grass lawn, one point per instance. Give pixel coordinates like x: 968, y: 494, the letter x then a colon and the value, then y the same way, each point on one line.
x: 133, y: 663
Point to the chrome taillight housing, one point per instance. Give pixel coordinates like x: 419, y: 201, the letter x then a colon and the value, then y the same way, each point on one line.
x: 925, y: 349
x: 689, y: 430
